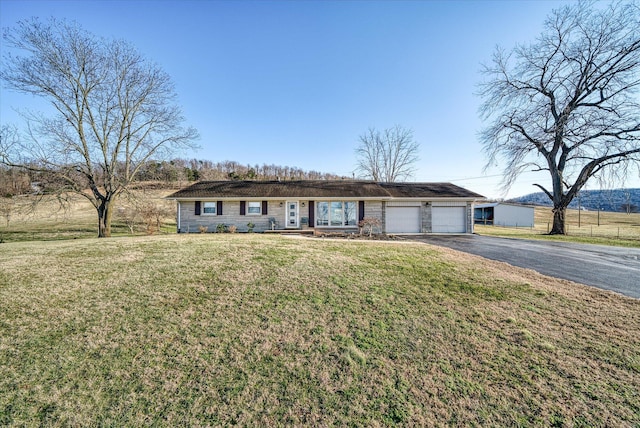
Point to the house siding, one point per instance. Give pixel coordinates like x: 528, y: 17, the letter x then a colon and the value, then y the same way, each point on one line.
x: 425, y: 218
x: 191, y: 223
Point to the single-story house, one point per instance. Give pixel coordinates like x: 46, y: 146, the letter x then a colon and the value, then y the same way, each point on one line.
x: 504, y: 214
x: 325, y: 205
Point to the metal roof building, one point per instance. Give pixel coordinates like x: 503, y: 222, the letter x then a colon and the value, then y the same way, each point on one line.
x: 504, y: 214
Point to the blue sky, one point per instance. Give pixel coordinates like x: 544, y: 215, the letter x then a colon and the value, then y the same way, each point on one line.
x: 295, y: 83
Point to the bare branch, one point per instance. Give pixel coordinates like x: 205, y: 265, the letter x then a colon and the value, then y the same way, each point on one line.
x: 544, y: 190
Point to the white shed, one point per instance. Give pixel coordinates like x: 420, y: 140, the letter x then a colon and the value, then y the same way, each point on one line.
x: 504, y: 214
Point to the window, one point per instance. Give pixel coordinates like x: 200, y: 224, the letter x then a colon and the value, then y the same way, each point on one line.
x: 336, y: 213
x: 322, y: 219
x: 254, y: 208
x: 349, y: 213
x: 209, y: 208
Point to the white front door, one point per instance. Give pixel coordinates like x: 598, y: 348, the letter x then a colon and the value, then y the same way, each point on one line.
x: 292, y: 214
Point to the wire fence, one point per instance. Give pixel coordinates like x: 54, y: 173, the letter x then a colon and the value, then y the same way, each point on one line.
x: 584, y: 224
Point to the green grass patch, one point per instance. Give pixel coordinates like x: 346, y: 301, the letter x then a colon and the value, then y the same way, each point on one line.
x: 204, y: 330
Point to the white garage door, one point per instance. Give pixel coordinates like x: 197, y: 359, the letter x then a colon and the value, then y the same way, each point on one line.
x: 403, y: 220
x: 448, y: 220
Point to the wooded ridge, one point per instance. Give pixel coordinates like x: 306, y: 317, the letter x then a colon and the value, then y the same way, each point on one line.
x: 615, y: 200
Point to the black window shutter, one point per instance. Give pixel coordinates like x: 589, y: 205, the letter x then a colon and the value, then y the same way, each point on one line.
x: 219, y: 208
x: 312, y: 214
x: 243, y: 207
x: 360, y: 211
x: 197, y: 212
x: 265, y: 205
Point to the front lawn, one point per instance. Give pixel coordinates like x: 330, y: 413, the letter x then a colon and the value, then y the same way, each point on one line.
x: 206, y: 330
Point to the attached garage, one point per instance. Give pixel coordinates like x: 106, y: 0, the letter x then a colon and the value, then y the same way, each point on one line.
x: 448, y: 219
x: 402, y: 219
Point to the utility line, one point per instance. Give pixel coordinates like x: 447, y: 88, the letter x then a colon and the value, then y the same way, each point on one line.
x: 476, y: 178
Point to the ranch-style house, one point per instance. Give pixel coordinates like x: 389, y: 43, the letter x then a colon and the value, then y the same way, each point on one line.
x: 324, y: 205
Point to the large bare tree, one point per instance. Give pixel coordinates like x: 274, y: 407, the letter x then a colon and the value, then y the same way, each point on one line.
x: 113, y: 111
x: 389, y: 155
x: 568, y: 103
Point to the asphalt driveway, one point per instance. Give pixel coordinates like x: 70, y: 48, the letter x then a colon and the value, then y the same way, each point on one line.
x: 610, y: 268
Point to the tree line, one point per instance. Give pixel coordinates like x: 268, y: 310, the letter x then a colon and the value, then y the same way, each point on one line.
x: 180, y: 170
x: 16, y: 181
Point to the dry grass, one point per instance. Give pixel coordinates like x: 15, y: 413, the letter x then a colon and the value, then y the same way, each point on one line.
x: 261, y: 330
x: 582, y: 226
x: 37, y: 218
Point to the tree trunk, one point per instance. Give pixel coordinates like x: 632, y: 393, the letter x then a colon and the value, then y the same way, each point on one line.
x: 559, y: 221
x: 104, y: 218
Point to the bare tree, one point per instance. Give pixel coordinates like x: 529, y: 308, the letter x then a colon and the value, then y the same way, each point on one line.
x: 389, y: 155
x: 13, y: 181
x: 114, y: 111
x: 568, y: 102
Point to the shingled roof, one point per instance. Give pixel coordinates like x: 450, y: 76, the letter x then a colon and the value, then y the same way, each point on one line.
x: 320, y: 189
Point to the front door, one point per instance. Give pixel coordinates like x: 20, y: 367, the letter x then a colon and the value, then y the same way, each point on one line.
x: 292, y: 214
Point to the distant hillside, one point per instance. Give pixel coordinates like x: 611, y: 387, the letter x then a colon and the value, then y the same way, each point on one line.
x: 607, y: 200
x: 15, y: 181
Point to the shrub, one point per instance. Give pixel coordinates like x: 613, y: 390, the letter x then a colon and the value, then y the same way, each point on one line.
x: 221, y: 228
x: 250, y: 227
x: 203, y: 229
x: 369, y: 225
x: 233, y: 228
